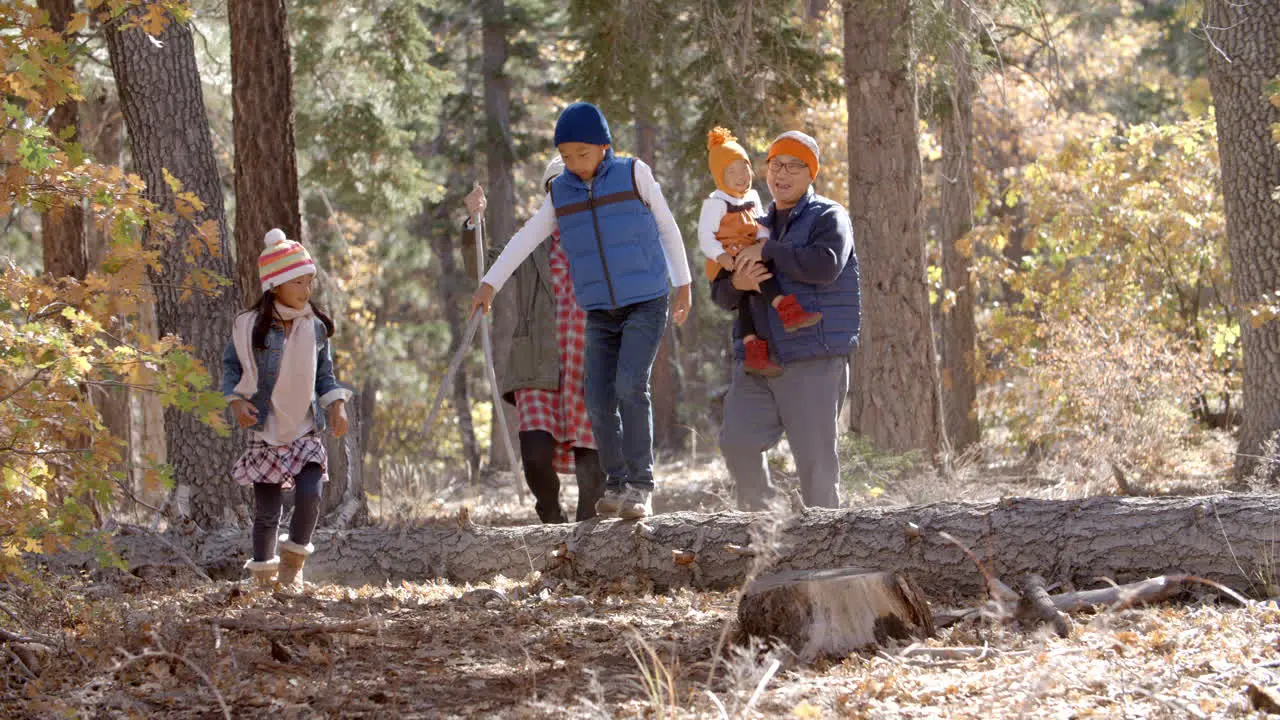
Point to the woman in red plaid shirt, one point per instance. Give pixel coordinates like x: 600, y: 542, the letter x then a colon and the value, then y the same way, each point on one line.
x: 544, y: 372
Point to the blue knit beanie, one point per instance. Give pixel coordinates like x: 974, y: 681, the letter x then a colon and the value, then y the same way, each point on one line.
x: 583, y: 122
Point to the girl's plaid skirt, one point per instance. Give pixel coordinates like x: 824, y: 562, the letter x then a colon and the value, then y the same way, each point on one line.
x: 279, y: 464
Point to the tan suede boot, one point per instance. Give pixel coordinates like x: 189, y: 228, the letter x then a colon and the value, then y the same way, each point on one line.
x: 264, y: 572
x: 292, y: 557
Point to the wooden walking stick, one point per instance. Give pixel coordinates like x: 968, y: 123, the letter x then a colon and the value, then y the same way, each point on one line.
x: 454, y: 363
x: 487, y: 341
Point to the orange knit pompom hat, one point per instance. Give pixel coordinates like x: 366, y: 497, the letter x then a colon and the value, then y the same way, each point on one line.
x: 722, y: 150
x: 799, y: 145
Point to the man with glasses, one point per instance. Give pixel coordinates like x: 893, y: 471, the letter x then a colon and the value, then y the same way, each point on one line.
x: 810, y: 249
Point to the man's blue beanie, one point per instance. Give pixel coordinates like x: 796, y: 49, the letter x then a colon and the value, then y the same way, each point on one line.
x: 583, y: 122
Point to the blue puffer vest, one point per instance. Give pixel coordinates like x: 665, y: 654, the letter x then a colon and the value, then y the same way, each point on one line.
x: 610, y: 237
x: 838, y: 301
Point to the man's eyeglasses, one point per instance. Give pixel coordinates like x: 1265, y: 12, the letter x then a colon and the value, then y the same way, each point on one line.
x: 787, y: 168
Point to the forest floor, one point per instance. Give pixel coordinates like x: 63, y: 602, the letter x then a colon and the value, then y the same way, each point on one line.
x: 179, y: 647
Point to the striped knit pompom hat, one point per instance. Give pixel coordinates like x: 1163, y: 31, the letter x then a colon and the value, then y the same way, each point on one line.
x: 283, y: 260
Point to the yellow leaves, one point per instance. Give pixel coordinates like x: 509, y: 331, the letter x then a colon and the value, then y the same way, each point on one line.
x: 77, y: 23
x: 155, y: 19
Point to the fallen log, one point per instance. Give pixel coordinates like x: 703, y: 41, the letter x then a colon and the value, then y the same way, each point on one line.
x: 1224, y: 538
x: 820, y: 613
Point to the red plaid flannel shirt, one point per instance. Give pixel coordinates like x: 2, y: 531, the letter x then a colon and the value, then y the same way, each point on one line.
x: 562, y: 412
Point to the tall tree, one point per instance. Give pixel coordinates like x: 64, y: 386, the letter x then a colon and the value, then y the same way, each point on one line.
x: 666, y: 369
x: 1244, y: 58
x: 266, y: 184
x: 262, y: 119
x: 500, y: 218
x: 62, y: 226
x: 893, y: 394
x: 164, y: 112
x: 958, y: 331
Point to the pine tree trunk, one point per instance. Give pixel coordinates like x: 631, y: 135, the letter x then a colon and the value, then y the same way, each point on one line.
x: 1085, y: 543
x: 893, y: 395
x: 62, y: 226
x: 1244, y: 57
x: 453, y: 295
x: 164, y: 111
x: 262, y: 106
x: 959, y: 332
x: 500, y: 218
x: 665, y: 382
x: 343, y: 504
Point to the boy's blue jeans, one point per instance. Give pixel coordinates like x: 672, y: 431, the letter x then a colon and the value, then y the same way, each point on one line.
x: 621, y: 347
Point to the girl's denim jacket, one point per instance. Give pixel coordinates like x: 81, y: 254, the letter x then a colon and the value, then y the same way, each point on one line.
x: 327, y: 391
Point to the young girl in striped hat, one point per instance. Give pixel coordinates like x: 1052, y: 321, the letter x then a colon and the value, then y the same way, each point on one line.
x: 277, y: 374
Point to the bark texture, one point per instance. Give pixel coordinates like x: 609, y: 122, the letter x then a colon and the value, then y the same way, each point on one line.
x: 500, y: 218
x: 893, y: 393
x: 262, y: 119
x: 164, y: 111
x: 1244, y: 57
x: 343, y: 503
x: 958, y: 331
x: 665, y: 380
x: 1226, y: 538
x: 62, y: 226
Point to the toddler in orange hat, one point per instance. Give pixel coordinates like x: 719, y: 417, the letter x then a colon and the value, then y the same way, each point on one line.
x: 729, y: 222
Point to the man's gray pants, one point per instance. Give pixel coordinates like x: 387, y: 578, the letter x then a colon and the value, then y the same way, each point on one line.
x: 804, y: 402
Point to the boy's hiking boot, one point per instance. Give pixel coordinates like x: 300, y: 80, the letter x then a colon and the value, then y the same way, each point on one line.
x: 793, y: 316
x: 609, y: 503
x: 264, y: 572
x: 757, y: 361
x: 636, y: 503
x: 292, y: 557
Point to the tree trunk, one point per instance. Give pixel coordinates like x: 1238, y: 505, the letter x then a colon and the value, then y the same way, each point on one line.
x: 1227, y: 539
x: 665, y: 383
x: 500, y: 218
x: 343, y: 504
x: 453, y: 295
x: 959, y: 332
x: 893, y: 395
x: 262, y: 119
x: 1244, y: 57
x: 164, y: 111
x: 62, y: 225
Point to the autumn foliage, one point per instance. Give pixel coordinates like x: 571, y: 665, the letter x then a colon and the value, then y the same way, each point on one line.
x: 59, y: 337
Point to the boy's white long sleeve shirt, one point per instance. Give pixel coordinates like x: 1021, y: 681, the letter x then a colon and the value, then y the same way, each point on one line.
x: 543, y: 223
x: 714, y: 208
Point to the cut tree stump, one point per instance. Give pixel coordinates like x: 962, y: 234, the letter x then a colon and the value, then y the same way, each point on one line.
x: 820, y: 613
x: 1224, y: 538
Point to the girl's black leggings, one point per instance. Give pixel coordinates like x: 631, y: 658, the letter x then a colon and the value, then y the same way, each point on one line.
x: 538, y: 451
x: 267, y: 501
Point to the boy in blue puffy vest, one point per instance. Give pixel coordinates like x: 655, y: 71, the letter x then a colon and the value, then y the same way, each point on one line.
x: 623, y: 244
